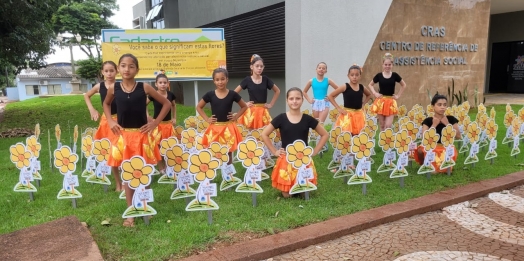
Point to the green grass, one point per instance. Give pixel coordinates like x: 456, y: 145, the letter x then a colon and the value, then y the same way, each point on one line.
x: 188, y: 232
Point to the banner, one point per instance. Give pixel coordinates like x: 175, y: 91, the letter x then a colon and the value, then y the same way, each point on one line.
x: 162, y: 35
x: 178, y: 60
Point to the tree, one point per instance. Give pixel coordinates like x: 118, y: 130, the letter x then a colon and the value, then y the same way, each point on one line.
x: 26, y: 32
x: 86, y: 18
x: 90, y: 69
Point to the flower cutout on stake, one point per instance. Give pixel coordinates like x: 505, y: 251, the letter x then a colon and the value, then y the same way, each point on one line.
x: 37, y: 130
x: 372, y: 124
x: 369, y: 131
x: 466, y: 106
x: 199, y: 143
x: 188, y: 138
x: 402, y: 141
x: 167, y: 144
x: 65, y: 160
x: 429, y: 139
x: 75, y: 134
x: 20, y: 156
x: 191, y: 122
x: 362, y: 145
x: 491, y: 129
x: 202, y: 126
x: 333, y: 115
x: 243, y: 130
x: 87, y: 145
x: 33, y: 146
x: 402, y: 110
x: 419, y: 118
x: 257, y: 134
x: 482, y: 119
x: 473, y: 132
x: 449, y: 111
x: 101, y: 150
x: 177, y: 158
x: 386, y: 139
x: 136, y: 171
x: 492, y: 113
x: 515, y: 127
x: 249, y: 152
x: 58, y: 132
x: 411, y: 129
x: 448, y: 135
x: 509, y: 117
x: 429, y: 110
x: 203, y: 165
x: 178, y: 132
x: 333, y: 135
x: 344, y: 143
x: 219, y: 152
x: 481, y: 108
x: 298, y: 154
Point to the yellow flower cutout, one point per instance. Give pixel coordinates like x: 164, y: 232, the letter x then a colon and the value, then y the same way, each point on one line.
x: 89, y: 132
x: 482, y: 119
x: 33, y: 146
x: 191, y: 122
x: 417, y: 107
x: 449, y: 111
x: 333, y: 115
x: 411, y: 129
x: 65, y: 160
x: 178, y: 132
x: 298, y: 154
x: 257, y: 134
x: 386, y: 139
x: 419, y: 118
x: 101, y: 149
x: 466, y: 122
x: 75, y: 134
x: 344, y: 143
x: 333, y: 134
x: 136, y: 172
x: 403, y: 120
x: 412, y: 114
x: 369, y: 131
x: 429, y: 139
x: 203, y: 165
x: 37, y: 130
x: 402, y: 110
x: 249, y: 152
x: 455, y: 110
x: 277, y: 136
x: 520, y: 113
x: 221, y: 153
x: 166, y: 144
x: 402, y: 141
x: 481, y: 108
x: 58, y: 132
x: 202, y: 126
x: 508, y: 107
x: 462, y: 115
x: 515, y: 126
x: 19, y: 155
x: 371, y: 124
x: 177, y: 158
x: 448, y: 135
x: 362, y: 145
x: 473, y: 132
x: 429, y: 109
x: 243, y: 130
x: 199, y: 142
x: 87, y: 145
x: 188, y: 138
x: 509, y: 117
x: 491, y: 129
x: 492, y: 113
x: 466, y: 106
x: 306, y: 112
x: 273, y: 136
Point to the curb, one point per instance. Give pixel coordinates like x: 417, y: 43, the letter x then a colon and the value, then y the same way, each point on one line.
x: 270, y: 246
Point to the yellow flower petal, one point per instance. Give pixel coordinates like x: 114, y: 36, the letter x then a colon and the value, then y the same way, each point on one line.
x: 147, y: 170
x: 213, y: 164
x: 200, y: 176
x: 63, y: 169
x: 248, y: 162
x: 195, y: 160
x: 71, y: 166
x: 291, y: 157
x: 194, y: 169
x: 65, y: 152
x: 256, y: 161
x: 205, y: 156
x: 137, y: 163
x: 144, y: 179
x: 126, y: 176
x: 134, y: 183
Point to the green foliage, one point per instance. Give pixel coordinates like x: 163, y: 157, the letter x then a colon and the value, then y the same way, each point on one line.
x: 26, y: 32
x: 90, y: 69
x: 429, y: 94
x: 459, y: 96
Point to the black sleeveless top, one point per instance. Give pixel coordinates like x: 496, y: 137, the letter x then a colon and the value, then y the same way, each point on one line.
x: 158, y: 106
x: 352, y: 98
x: 132, y: 107
x: 103, y: 92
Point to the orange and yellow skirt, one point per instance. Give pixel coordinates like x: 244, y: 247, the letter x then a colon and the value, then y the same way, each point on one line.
x: 385, y: 106
x: 284, y: 175
x: 440, y: 156
x: 131, y: 142
x: 255, y: 117
x: 166, y: 129
x: 103, y: 129
x: 354, y: 121
x: 225, y: 133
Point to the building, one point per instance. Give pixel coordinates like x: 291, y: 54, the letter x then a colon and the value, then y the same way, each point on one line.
x: 477, y: 43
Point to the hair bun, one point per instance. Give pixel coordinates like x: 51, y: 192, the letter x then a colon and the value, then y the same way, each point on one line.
x: 254, y: 56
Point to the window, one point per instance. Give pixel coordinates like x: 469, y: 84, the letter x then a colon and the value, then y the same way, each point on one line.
x: 32, y: 90
x: 54, y: 89
x: 83, y: 88
x: 159, y: 24
x: 155, y: 2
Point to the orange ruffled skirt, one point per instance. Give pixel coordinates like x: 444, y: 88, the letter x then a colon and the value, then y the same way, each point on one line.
x: 385, y: 106
x: 131, y: 142
x: 255, y: 117
x: 166, y: 129
x: 284, y: 175
x: 225, y: 133
x: 440, y: 156
x: 103, y: 129
x: 354, y: 121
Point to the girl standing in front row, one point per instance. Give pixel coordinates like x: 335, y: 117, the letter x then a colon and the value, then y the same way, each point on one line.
x: 109, y: 72
x: 293, y: 125
x: 222, y: 127
x: 385, y: 106
x: 351, y: 118
x: 257, y: 114
x: 320, y: 85
x: 132, y: 129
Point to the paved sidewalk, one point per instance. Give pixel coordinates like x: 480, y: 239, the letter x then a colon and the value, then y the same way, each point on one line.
x: 503, y: 98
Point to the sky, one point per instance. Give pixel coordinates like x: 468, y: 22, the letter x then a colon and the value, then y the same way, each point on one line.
x: 122, y: 18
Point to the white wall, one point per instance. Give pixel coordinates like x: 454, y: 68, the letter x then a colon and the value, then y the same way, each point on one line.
x: 337, y: 32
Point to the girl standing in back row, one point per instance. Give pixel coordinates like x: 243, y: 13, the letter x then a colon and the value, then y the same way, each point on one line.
x: 385, y: 106
x: 257, y: 85
x: 320, y: 85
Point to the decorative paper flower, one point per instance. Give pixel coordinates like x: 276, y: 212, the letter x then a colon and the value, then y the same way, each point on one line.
x: 429, y: 139
x: 473, y: 132
x: 369, y: 131
x: 203, y: 165
x: 430, y: 110
x: 33, y: 146
x: 178, y: 132
x: 508, y: 107
x: 455, y: 110
x: 492, y: 113
x: 58, y: 132
x: 402, y: 141
x: 491, y: 129
x: 448, y: 135
x: 19, y: 155
x: 449, y: 111
x: 306, y: 112
x: 371, y: 124
x: 482, y: 119
x: 75, y: 133
x: 199, y: 142
x: 466, y: 106
x: 411, y: 114
x: 298, y: 154
x: 257, y: 134
x: 65, y: 160
x: 249, y: 152
x: 202, y: 126
x: 344, y: 142
x: 219, y: 152
x: 191, y: 122
x: 386, y: 139
x: 403, y: 120
x: 462, y: 115
x: 419, y: 118
x: 87, y: 145
x: 509, y: 117
x: 188, y: 138
x: 481, y: 108
x: 277, y: 137
x: 515, y: 126
x: 136, y: 172
x: 521, y: 115
x: 177, y: 158
x: 273, y: 136
x: 243, y: 130
x: 101, y: 149
x: 89, y: 132
x: 166, y: 144
x: 362, y: 146
x: 37, y: 130
x: 333, y: 115
x: 333, y: 135
x: 466, y: 122
x: 402, y: 110
x: 411, y: 128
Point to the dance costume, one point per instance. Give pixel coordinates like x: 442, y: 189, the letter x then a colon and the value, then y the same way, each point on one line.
x: 386, y: 105
x: 257, y: 116
x: 320, y: 90
x: 165, y: 127
x: 355, y: 119
x: 103, y: 128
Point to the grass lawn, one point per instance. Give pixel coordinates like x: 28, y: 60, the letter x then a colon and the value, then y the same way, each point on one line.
x: 175, y: 233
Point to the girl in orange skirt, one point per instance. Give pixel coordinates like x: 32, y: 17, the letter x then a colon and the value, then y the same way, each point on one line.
x: 293, y: 125
x: 351, y: 118
x: 132, y: 130
x: 109, y: 72
x: 165, y: 127
x: 222, y: 127
x: 320, y: 85
x: 385, y: 105
x: 438, y: 121
x: 257, y: 85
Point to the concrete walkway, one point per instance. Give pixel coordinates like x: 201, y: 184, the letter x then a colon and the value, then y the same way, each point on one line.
x: 504, y: 98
